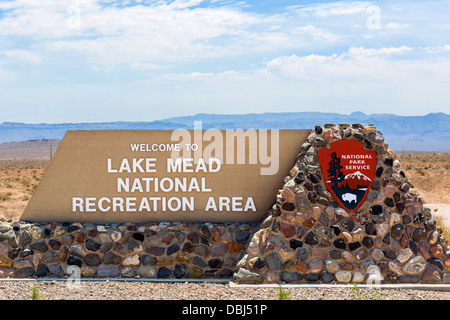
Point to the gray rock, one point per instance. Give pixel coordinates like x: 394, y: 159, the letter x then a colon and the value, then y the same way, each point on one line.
x: 111, y: 258
x: 431, y: 274
x: 246, y: 276
x: 302, y: 253
x: 180, y: 270
x: 39, y: 245
x: 92, y: 245
x: 446, y: 277
x: 6, y: 272
x: 24, y: 272
x: 343, y: 276
x: 92, y: 259
x: 407, y: 278
x: 127, y: 271
x: 55, y: 270
x: 147, y: 271
x: 273, y: 261
x: 414, y: 266
x: 9, y: 237
x: 291, y: 276
x: 172, y: 249
x: 77, y: 250
x: 50, y: 257
x: 303, y: 203
x: 25, y: 239
x: 41, y: 270
x: 148, y: 260
x: 108, y: 271
x: 198, y: 261
x: 22, y: 263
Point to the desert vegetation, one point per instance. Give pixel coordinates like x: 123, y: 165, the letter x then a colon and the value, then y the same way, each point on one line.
x: 18, y: 180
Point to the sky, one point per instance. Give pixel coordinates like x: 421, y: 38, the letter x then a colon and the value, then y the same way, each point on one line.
x: 139, y: 60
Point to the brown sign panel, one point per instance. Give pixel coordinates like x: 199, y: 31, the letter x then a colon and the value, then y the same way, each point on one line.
x: 165, y: 175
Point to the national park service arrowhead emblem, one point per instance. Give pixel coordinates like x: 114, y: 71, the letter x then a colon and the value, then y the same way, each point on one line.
x: 348, y: 172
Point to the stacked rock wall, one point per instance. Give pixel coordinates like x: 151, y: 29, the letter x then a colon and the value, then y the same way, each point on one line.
x: 152, y: 250
x: 307, y: 237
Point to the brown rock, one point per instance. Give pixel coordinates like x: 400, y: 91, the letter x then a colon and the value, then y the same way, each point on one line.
x: 423, y: 249
x: 267, y: 248
x: 264, y: 235
x: 288, y: 195
x: 216, y: 236
x: 120, y: 248
x: 403, y: 241
x: 6, y: 272
x: 447, y: 263
x: 288, y: 217
x: 327, y: 134
x: 167, y: 239
x: 301, y: 266
x: 288, y: 206
x: 316, y: 265
x: 437, y: 251
x: 79, y: 238
x: 309, y: 223
x: 431, y: 274
x: 234, y: 247
x: 183, y: 258
x: 219, y: 250
x: 318, y: 252
x: 348, y: 266
x: 288, y: 230
x: 166, y: 261
x: 286, y: 254
x: 92, y: 233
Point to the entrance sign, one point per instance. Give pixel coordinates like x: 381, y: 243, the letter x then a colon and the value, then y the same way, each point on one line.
x: 164, y: 175
x: 349, y: 171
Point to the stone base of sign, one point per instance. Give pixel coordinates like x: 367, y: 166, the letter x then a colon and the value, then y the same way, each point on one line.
x: 146, y: 250
x: 307, y: 237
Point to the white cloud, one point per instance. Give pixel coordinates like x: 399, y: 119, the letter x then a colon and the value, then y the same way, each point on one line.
x: 365, y: 80
x: 21, y: 56
x: 396, y: 26
x: 208, y: 76
x: 334, y: 8
x: 164, y: 30
x: 363, y: 52
x: 316, y: 33
x: 146, y: 66
x: 440, y: 49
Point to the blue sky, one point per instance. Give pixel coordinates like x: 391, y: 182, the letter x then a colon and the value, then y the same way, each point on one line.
x: 107, y: 60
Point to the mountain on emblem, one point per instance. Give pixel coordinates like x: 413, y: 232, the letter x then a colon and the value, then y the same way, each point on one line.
x: 348, y: 170
x: 357, y: 176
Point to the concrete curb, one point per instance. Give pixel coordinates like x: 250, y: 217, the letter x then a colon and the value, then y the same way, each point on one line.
x: 218, y: 281
x: 234, y: 285
x: 384, y: 286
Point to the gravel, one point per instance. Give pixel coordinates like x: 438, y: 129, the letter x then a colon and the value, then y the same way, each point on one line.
x: 122, y: 290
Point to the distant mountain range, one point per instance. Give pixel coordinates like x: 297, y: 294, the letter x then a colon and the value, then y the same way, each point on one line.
x: 416, y: 133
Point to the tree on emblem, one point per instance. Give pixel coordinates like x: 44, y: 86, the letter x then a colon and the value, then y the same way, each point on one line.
x: 334, y: 170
